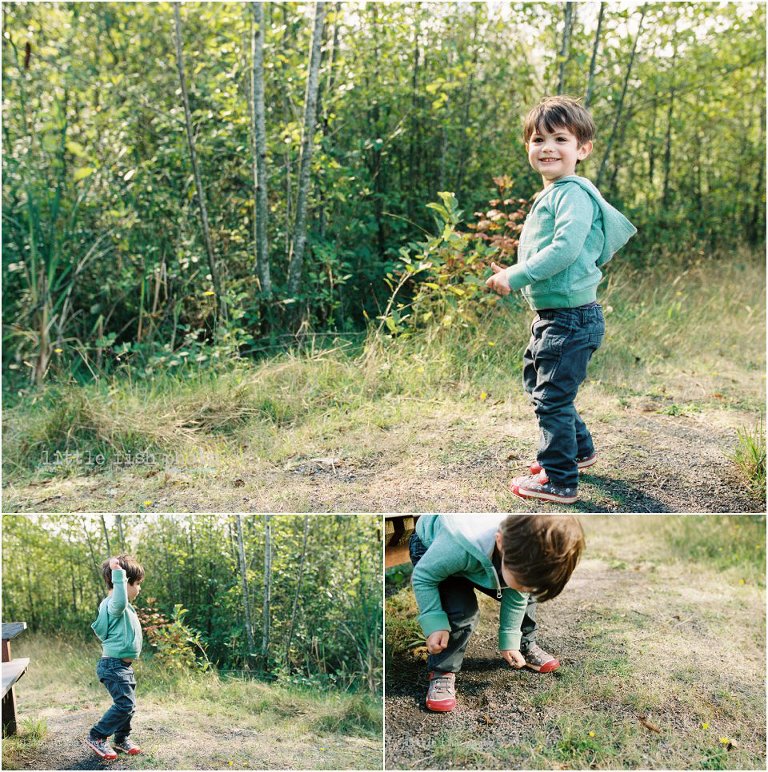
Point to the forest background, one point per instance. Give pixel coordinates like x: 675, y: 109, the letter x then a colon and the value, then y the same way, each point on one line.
x: 191, y: 190
x: 289, y: 598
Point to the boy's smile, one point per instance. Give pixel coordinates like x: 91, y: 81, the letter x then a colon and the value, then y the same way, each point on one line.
x: 555, y: 154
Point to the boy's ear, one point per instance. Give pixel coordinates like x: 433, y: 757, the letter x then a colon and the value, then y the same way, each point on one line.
x: 584, y: 151
x: 498, y: 540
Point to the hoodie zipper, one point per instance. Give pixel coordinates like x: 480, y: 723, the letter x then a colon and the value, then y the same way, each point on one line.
x: 498, y: 583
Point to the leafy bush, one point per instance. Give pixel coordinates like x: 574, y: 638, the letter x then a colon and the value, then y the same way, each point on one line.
x: 446, y: 273
x: 176, y: 645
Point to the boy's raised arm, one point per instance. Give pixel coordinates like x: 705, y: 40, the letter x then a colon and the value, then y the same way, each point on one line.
x: 119, y: 598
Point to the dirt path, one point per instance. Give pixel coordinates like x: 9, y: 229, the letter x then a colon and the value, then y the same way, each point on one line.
x: 417, y: 456
x: 201, y: 737
x: 663, y: 666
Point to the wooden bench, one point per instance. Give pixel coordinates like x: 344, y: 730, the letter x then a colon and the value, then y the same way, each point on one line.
x: 397, y: 527
x: 13, y: 669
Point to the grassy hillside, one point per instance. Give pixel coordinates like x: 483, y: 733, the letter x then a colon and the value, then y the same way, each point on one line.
x: 384, y: 425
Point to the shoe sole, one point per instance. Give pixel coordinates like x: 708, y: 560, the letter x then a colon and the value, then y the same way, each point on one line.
x: 547, y: 667
x: 128, y: 753
x: 439, y: 709
x: 101, y: 755
x: 544, y: 496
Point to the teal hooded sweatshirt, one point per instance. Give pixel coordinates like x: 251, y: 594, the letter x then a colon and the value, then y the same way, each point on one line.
x: 117, y: 626
x: 569, y: 233
x: 462, y: 545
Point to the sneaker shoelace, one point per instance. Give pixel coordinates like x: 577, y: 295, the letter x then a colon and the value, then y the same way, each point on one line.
x: 442, y: 684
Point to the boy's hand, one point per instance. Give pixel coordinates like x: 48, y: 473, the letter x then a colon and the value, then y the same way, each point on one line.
x: 514, y: 658
x: 498, y: 282
x: 114, y: 564
x: 437, y: 641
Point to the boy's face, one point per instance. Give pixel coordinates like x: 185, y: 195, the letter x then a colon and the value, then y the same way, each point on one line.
x: 132, y: 590
x: 509, y: 578
x: 554, y: 154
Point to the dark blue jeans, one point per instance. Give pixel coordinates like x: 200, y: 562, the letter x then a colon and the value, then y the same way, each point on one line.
x: 554, y: 366
x: 458, y: 599
x: 120, y: 681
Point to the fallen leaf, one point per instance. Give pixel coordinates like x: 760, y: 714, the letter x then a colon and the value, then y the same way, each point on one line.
x: 648, y: 725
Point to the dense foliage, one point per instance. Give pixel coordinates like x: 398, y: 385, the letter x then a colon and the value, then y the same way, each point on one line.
x: 104, y: 262
x: 324, y: 626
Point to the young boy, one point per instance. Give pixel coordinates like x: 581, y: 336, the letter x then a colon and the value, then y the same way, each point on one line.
x: 514, y: 558
x: 570, y: 232
x: 119, y: 631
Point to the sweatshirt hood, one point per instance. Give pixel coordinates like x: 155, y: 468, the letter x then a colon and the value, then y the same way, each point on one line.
x: 618, y: 229
x: 477, y: 534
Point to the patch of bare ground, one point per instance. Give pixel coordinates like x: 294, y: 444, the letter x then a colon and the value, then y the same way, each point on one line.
x: 662, y: 666
x: 429, y: 455
x: 174, y: 736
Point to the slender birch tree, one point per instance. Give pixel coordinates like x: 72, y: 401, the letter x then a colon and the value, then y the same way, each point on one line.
x: 265, y: 613
x: 259, y: 134
x: 566, y: 46
x: 593, y: 61
x: 302, y: 562
x: 244, y: 586
x: 620, y: 106
x: 298, y: 245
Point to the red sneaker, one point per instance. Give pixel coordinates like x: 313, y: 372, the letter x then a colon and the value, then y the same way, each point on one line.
x: 100, y: 747
x: 539, y: 660
x: 540, y: 487
x: 582, y: 462
x: 441, y: 695
x: 127, y: 746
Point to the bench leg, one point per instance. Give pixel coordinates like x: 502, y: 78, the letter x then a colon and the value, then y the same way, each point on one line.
x: 9, y: 713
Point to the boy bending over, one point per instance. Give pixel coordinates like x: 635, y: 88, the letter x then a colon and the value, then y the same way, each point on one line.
x: 517, y: 559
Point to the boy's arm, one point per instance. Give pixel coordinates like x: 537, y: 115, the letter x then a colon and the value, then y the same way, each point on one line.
x: 441, y: 560
x: 573, y: 212
x: 513, y: 605
x: 118, y: 601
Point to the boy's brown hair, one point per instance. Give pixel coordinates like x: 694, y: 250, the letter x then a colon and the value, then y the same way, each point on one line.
x: 134, y: 572
x: 542, y: 551
x: 553, y: 113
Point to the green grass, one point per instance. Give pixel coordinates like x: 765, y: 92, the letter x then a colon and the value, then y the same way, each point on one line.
x: 655, y: 321
x: 749, y: 456
x: 724, y: 541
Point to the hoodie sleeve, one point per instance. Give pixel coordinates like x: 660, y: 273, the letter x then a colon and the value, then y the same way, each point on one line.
x: 513, y: 605
x: 573, y: 215
x: 119, y: 598
x: 443, y: 559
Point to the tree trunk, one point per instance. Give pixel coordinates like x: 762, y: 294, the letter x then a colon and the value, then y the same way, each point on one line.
x: 593, y: 62
x: 265, y: 614
x: 565, y: 48
x: 244, y: 584
x: 620, y: 106
x: 665, y: 196
x: 106, y: 534
x: 296, y: 258
x: 302, y: 561
x: 212, y: 265
x: 465, y: 149
x: 120, y: 533
x: 259, y: 133
x: 94, y: 562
